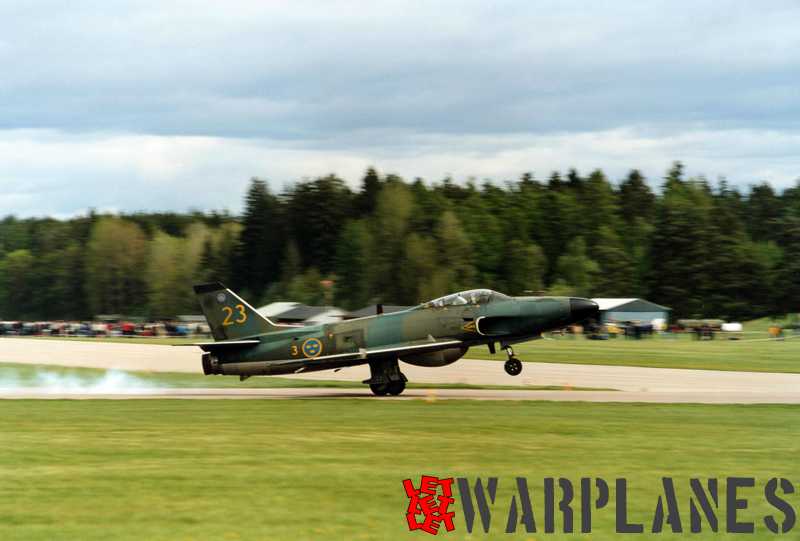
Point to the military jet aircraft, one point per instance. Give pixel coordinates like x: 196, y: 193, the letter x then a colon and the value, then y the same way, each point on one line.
x: 435, y: 333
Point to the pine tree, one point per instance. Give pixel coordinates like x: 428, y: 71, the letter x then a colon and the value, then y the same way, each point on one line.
x: 576, y: 271
x: 352, y: 265
x: 617, y: 274
x: 764, y: 213
x: 424, y: 279
x: 485, y: 227
x: 524, y: 268
x: 262, y: 240
x: 115, y: 256
x: 788, y: 280
x: 636, y: 199
x: 455, y: 252
x: 389, y: 227
x: 563, y: 220
x: 317, y: 211
x: 208, y: 270
x: 735, y: 287
x: 17, y: 285
x: 679, y: 268
x: 368, y: 196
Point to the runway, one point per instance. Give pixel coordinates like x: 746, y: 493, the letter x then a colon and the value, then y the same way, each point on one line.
x: 430, y: 395
x: 634, y: 384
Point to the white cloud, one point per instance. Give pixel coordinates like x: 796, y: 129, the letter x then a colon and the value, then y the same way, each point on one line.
x: 314, y: 69
x: 49, y: 172
x: 152, y: 104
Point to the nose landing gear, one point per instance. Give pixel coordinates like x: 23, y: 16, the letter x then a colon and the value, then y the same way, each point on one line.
x: 513, y: 366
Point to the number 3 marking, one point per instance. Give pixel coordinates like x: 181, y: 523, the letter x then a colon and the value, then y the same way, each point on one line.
x: 229, y: 313
x: 294, y: 351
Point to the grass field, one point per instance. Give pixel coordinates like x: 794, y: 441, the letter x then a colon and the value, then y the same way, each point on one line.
x: 761, y: 325
x: 758, y: 355
x: 320, y: 469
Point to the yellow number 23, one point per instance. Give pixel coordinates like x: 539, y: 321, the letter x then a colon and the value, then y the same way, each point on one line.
x: 241, y: 315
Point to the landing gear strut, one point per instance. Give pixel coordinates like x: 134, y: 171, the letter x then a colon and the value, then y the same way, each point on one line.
x: 513, y: 365
x: 386, y: 378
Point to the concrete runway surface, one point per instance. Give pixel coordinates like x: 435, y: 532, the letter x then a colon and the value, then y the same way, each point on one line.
x: 637, y: 384
x: 426, y: 394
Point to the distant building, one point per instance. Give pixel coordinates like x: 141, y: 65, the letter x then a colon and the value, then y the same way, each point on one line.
x: 300, y: 314
x: 275, y: 308
x: 191, y: 318
x: 618, y: 310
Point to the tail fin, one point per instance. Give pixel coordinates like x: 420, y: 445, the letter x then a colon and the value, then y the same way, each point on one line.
x: 228, y: 315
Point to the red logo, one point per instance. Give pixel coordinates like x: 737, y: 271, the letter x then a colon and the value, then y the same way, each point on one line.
x: 431, y: 501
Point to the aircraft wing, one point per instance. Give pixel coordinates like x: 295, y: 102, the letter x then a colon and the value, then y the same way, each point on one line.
x: 383, y: 351
x: 323, y: 362
x: 419, y: 346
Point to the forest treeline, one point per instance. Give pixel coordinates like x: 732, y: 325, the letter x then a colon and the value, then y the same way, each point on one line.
x: 702, y: 249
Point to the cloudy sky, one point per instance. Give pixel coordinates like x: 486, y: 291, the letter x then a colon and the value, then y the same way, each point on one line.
x: 156, y: 105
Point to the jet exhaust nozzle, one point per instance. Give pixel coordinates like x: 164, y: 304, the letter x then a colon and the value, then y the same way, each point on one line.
x: 210, y: 364
x: 581, y: 309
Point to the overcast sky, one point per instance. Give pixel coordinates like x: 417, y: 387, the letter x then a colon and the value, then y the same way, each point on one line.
x: 157, y: 105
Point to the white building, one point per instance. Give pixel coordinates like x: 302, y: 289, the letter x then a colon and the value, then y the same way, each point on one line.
x: 296, y: 313
x: 619, y: 310
x: 275, y: 308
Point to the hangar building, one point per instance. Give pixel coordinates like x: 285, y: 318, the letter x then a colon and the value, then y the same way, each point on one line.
x: 371, y: 310
x: 301, y: 314
x: 618, y: 310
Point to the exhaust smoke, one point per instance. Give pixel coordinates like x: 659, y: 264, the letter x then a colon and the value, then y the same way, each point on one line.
x: 20, y: 378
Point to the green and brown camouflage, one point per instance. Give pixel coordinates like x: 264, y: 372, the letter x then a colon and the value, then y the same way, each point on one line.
x: 435, y: 333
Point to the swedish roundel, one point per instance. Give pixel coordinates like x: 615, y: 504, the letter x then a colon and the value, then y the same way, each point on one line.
x: 312, y: 347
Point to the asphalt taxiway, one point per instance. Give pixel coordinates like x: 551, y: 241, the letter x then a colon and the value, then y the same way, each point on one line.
x: 426, y: 394
x: 627, y: 384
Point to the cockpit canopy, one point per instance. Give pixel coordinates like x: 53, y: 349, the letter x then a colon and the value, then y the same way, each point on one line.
x: 472, y: 297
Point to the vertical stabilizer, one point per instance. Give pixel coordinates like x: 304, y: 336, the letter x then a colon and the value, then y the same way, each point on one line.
x: 228, y: 315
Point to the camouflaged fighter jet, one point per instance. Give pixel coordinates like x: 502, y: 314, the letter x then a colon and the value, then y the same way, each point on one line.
x: 436, y: 333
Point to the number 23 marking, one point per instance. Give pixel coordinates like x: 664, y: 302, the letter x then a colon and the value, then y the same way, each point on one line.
x: 241, y: 318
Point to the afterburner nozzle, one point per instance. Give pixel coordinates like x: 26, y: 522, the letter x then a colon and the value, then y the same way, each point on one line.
x: 581, y: 309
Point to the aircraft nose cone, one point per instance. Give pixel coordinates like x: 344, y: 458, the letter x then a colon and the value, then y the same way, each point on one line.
x: 581, y: 309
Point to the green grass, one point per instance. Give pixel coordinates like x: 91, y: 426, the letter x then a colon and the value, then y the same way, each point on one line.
x: 763, y: 324
x: 332, y: 469
x: 755, y: 355
x: 31, y: 375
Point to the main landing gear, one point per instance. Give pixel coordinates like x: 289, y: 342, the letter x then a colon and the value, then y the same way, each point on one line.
x: 393, y: 388
x: 513, y: 366
x: 386, y: 378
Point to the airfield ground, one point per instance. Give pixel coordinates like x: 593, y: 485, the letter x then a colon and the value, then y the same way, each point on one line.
x: 36, y: 376
x: 755, y: 352
x: 332, y: 469
x: 658, y: 384
x: 748, y: 354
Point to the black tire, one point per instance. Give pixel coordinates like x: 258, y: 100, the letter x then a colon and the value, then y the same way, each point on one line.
x: 379, y: 389
x: 396, y: 387
x: 513, y: 367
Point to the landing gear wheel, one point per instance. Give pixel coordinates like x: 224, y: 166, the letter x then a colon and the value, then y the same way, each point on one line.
x: 379, y: 389
x: 396, y: 387
x: 513, y: 367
